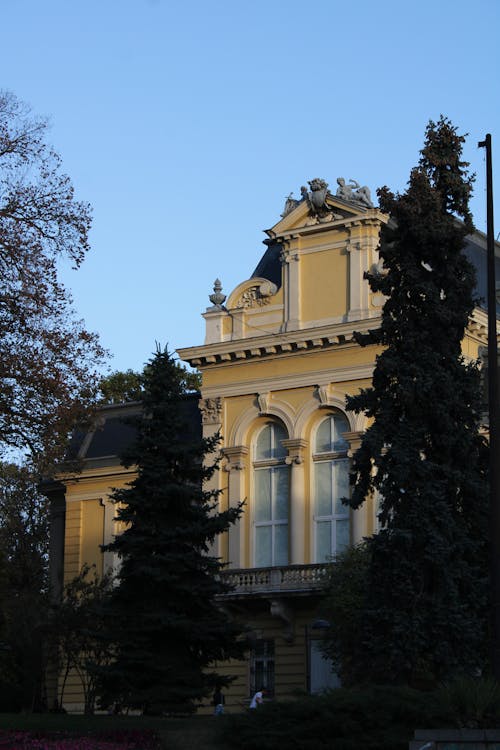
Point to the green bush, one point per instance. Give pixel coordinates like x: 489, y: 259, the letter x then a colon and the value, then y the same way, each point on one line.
x: 372, y: 718
x: 471, y: 703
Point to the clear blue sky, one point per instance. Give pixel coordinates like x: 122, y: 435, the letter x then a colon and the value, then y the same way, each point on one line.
x: 185, y: 125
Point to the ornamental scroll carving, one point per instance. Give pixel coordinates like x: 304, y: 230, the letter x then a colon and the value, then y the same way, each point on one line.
x: 211, y: 410
x: 257, y: 296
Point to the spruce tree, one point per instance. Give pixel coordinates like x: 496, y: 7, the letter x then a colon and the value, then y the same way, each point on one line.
x: 167, y: 627
x: 425, y: 611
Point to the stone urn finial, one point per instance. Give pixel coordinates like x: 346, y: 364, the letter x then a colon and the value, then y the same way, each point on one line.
x: 217, y: 298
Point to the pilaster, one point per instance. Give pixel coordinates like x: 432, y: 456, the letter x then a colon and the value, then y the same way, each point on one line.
x: 211, y: 417
x: 236, y: 464
x: 290, y: 259
x: 359, y: 525
x: 110, y: 561
x: 295, y: 459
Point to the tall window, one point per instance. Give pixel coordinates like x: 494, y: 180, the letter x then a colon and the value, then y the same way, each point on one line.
x: 331, y: 484
x: 262, y: 666
x: 271, y: 491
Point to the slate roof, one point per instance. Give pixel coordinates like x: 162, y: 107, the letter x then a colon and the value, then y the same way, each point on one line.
x: 113, y: 431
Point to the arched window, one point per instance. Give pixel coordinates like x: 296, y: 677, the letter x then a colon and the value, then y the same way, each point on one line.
x: 331, y: 484
x: 270, y: 501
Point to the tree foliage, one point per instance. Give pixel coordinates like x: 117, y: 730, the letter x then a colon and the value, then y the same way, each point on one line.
x: 77, y: 625
x: 47, y: 358
x: 167, y: 626
x: 425, y: 611
x: 342, y: 607
x: 24, y: 595
x: 122, y: 386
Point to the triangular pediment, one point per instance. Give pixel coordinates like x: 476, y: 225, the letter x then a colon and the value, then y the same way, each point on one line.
x: 310, y: 212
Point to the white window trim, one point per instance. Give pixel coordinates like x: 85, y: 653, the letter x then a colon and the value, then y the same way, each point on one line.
x: 326, y: 457
x: 265, y: 464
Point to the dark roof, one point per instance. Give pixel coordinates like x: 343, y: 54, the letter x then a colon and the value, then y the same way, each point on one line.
x: 475, y: 250
x: 113, y: 432
x: 269, y: 266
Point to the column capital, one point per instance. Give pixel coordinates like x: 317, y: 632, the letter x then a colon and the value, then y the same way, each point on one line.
x: 295, y: 448
x: 354, y: 440
x: 236, y: 457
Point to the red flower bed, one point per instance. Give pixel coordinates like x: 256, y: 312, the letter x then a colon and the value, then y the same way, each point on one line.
x: 113, y: 740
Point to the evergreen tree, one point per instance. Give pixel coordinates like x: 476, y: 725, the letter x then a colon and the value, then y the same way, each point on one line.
x: 167, y: 626
x: 425, y: 611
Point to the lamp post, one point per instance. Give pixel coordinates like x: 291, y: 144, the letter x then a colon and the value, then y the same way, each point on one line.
x: 494, y: 463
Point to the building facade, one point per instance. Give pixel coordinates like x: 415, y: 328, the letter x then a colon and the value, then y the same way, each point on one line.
x: 278, y: 361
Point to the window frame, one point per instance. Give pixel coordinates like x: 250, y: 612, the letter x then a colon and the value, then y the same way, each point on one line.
x: 270, y: 465
x: 331, y: 458
x: 268, y: 672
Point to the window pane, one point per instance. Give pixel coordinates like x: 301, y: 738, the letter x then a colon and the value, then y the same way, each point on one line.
x: 340, y: 484
x: 280, y: 487
x: 281, y: 544
x: 263, y: 494
x: 329, y: 435
x: 323, y: 489
x: 262, y: 666
x: 342, y: 530
x: 263, y: 550
x: 323, y: 437
x: 340, y: 425
x: 279, y: 434
x: 323, y: 541
x: 322, y: 676
x: 263, y: 446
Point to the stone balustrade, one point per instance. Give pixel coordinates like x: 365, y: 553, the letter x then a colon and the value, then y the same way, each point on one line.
x: 286, y: 579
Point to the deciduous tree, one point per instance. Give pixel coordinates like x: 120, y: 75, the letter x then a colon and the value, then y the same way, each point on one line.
x: 121, y: 386
x: 24, y: 595
x: 77, y: 624
x: 47, y: 357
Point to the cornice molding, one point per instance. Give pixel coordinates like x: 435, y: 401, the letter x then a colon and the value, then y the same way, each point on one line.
x: 478, y: 326
x: 288, y: 343
x: 372, y: 216
x: 291, y: 343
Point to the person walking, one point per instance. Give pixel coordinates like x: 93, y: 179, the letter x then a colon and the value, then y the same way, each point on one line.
x: 218, y: 701
x: 257, y: 699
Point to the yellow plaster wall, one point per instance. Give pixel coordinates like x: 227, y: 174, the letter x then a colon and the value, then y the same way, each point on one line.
x: 323, y: 285
x: 290, y: 659
x: 72, y: 536
x: 92, y: 534
x: 277, y: 366
x: 470, y: 348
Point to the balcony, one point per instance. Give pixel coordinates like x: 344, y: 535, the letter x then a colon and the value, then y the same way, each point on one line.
x: 288, y: 579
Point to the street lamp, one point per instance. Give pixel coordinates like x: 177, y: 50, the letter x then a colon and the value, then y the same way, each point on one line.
x: 493, y: 414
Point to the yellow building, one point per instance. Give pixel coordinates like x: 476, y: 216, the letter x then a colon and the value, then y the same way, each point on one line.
x: 278, y: 360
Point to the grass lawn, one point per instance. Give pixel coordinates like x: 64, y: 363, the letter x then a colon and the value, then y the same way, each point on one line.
x: 175, y: 734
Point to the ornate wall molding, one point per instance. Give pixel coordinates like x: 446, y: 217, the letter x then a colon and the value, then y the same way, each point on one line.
x: 235, y: 457
x: 311, y: 407
x: 276, y: 408
x: 263, y: 400
x: 211, y: 410
x: 323, y: 394
x: 257, y: 295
